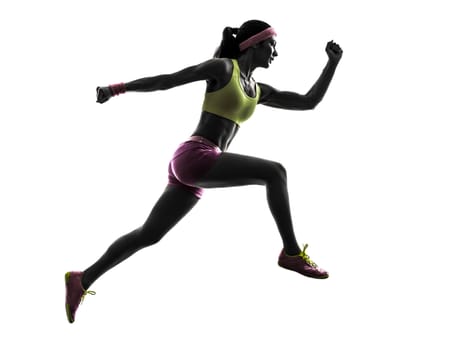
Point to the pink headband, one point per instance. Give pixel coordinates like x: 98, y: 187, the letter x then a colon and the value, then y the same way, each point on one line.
x: 255, y: 39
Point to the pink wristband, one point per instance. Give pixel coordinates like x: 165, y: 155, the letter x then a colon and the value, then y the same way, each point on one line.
x: 117, y: 89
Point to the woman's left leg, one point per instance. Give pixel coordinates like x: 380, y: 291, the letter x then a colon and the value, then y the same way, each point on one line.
x: 237, y: 170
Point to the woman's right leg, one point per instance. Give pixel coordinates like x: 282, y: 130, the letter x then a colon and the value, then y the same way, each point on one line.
x: 172, y: 206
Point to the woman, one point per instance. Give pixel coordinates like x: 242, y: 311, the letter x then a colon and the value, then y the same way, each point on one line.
x: 202, y: 161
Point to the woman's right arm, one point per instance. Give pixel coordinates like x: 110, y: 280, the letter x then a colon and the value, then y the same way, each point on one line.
x: 210, y: 70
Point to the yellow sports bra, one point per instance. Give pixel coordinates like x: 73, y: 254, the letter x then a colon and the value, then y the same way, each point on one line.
x: 231, y: 101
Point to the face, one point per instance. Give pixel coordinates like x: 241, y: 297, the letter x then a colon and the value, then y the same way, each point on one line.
x: 266, y: 52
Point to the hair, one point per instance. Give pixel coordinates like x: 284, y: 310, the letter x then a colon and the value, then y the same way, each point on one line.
x: 232, y: 37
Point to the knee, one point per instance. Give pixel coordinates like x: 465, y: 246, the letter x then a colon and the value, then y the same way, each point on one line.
x: 147, y: 236
x: 278, y: 172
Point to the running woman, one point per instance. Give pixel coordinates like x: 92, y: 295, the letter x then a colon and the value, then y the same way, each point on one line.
x: 202, y: 161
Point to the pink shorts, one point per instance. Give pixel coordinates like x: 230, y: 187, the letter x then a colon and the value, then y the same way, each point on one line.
x: 191, y: 161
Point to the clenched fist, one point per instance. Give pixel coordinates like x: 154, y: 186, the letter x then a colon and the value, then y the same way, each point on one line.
x: 334, y: 51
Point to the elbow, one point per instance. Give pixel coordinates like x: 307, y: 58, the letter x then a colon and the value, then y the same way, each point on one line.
x: 163, y: 82
x: 311, y: 104
x: 311, y: 101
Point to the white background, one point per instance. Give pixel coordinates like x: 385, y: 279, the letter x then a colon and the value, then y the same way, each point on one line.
x: 377, y: 178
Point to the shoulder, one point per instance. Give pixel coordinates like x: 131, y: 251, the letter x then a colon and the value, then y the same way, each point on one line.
x: 266, y: 92
x: 216, y: 67
x: 219, y: 71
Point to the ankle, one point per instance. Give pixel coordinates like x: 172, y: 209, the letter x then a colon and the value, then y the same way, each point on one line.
x: 84, y: 282
x: 292, y: 251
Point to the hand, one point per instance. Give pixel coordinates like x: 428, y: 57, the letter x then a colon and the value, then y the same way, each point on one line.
x: 334, y: 51
x: 103, y: 93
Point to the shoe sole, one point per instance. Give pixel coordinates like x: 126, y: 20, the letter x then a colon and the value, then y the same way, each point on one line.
x: 303, y: 274
x: 67, y: 307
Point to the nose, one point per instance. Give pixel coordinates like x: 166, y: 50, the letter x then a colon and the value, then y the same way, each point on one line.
x: 275, y: 53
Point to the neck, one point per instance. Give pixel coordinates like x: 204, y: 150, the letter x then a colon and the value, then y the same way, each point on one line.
x: 246, y: 64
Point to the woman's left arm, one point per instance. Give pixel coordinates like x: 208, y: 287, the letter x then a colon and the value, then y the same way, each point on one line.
x: 291, y: 100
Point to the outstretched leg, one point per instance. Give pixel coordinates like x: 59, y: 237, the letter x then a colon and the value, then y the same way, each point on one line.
x: 172, y: 206
x: 236, y: 170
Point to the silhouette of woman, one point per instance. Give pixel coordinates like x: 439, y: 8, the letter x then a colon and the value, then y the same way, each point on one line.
x: 202, y: 161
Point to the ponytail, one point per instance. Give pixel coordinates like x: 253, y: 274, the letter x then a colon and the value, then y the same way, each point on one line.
x: 229, y: 47
x: 249, y: 33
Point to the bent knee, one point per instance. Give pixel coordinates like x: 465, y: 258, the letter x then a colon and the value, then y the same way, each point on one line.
x: 278, y: 171
x: 147, y: 236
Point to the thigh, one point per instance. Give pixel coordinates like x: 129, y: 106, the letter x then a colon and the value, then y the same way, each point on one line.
x: 174, y: 203
x: 232, y: 169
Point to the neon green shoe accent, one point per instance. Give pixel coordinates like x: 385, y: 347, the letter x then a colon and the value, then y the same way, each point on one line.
x: 69, y: 315
x: 90, y: 292
x: 306, y: 258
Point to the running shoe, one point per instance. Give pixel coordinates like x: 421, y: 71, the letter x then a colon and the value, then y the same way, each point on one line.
x: 302, y: 264
x: 75, y: 293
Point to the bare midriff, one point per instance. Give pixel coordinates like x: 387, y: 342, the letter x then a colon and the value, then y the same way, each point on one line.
x: 216, y: 129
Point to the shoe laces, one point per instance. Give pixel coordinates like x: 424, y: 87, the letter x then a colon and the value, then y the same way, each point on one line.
x: 85, y: 292
x: 305, y: 257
